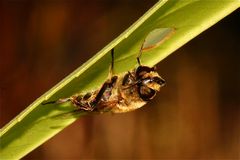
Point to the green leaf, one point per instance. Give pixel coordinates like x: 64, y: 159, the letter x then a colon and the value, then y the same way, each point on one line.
x: 37, y: 123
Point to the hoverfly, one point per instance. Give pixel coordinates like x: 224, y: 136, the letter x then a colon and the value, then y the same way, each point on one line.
x: 121, y: 93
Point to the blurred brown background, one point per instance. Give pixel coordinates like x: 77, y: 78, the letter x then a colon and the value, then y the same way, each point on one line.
x: 196, y: 116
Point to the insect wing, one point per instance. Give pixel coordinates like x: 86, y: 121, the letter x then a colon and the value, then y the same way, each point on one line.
x: 157, y: 37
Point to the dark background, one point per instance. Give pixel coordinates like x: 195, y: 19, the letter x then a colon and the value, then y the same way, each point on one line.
x: 197, y: 115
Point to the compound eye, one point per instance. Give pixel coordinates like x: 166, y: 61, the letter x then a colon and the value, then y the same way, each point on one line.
x: 159, y: 81
x: 146, y: 93
x: 142, y: 70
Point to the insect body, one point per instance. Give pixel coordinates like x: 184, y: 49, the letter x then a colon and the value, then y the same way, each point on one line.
x: 120, y: 93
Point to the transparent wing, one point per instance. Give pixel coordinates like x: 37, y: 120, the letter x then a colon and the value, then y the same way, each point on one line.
x: 157, y: 37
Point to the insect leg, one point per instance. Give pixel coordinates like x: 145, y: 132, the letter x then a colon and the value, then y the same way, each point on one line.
x: 106, y: 89
x: 62, y: 100
x: 140, y: 53
x: 99, y: 95
x: 112, y: 64
x: 107, y: 84
x: 131, y: 75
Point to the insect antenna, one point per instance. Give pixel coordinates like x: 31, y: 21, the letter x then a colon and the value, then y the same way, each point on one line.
x: 112, y: 63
